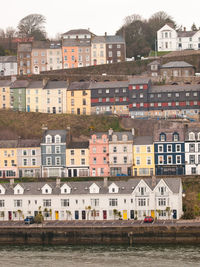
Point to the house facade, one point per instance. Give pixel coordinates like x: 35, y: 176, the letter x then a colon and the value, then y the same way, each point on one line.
x: 132, y: 199
x: 115, y: 48
x: 24, y: 61
x: 98, y: 50
x: 35, y: 97
x: 99, y: 154
x: 54, y: 56
x: 5, y: 94
x: 53, y: 153
x: 18, y: 95
x: 8, y: 65
x: 177, y: 69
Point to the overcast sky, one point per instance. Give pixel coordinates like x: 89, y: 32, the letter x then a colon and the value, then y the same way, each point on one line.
x: 99, y: 16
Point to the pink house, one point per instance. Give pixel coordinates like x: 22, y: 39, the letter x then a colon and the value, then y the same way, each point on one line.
x: 99, y: 155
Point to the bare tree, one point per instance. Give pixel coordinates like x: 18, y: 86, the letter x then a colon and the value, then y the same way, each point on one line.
x: 2, y: 33
x: 129, y: 19
x: 32, y: 26
x: 10, y: 32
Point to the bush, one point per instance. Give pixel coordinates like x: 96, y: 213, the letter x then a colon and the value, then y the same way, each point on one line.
x: 39, y: 218
x: 189, y: 214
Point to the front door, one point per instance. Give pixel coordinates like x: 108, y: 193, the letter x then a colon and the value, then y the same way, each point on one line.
x: 4, y: 174
x: 76, y: 215
x: 129, y: 171
x: 175, y: 214
x: 83, y: 214
x: 135, y: 172
x: 56, y: 215
x: 132, y: 214
x: 78, y: 111
x: 125, y: 215
x: 10, y: 215
x: 75, y: 173
x: 93, y: 172
x: 104, y: 214
x: 153, y: 213
x: 69, y: 173
x: 20, y: 173
x: 54, y: 110
x: 35, y: 213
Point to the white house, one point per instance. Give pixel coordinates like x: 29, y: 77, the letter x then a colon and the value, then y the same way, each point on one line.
x: 8, y: 65
x: 168, y: 39
x: 99, y: 200
x: 192, y: 151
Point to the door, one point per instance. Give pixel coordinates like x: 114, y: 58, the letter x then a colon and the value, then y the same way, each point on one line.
x: 153, y: 213
x: 83, y: 214
x: 28, y: 108
x: 132, y: 214
x: 56, y: 215
x: 104, y: 214
x: 75, y: 173
x: 54, y: 110
x: 20, y: 173
x: 175, y: 214
x: 125, y: 215
x: 76, y: 215
x: 129, y: 171
x: 4, y: 174
x: 10, y: 215
x: 93, y: 172
x: 135, y: 172
x: 69, y: 173
x: 78, y: 111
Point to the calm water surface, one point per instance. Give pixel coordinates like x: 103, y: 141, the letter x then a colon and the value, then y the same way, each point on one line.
x: 99, y: 256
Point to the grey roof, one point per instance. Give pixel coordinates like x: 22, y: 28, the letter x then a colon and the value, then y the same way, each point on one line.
x: 193, y: 127
x: 155, y: 62
x: 29, y: 143
x: 53, y: 133
x: 5, y: 59
x: 99, y: 39
x: 173, y: 88
x: 114, y: 39
x: 5, y: 83
x: 35, y: 84
x: 143, y: 140
x: 8, y: 143
x: 40, y: 44
x: 74, y: 145
x: 176, y: 64
x: 79, y: 86
x: 113, y: 84
x: 139, y: 80
x: 186, y: 33
x: 125, y: 187
x: 120, y: 135
x: 99, y: 134
x: 56, y: 84
x: 20, y: 84
x: 77, y: 31
x: 76, y: 42
x: 24, y: 47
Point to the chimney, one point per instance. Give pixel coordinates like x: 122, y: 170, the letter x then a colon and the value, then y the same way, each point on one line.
x: 105, y: 182
x: 11, y: 182
x: 184, y: 29
x: 110, y: 131
x: 44, y: 82
x: 57, y: 182
x: 153, y: 181
x: 44, y: 127
x: 105, y: 34
x: 133, y: 131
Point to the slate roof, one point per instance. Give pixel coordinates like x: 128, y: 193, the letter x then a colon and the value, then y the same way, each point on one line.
x: 24, y: 47
x: 176, y: 64
x: 35, y: 84
x: 186, y: 33
x: 5, y: 59
x: 114, y: 39
x: 20, y: 84
x: 77, y: 31
x: 99, y: 39
x: 79, y: 86
x: 174, y: 88
x: 53, y: 133
x: 99, y: 134
x: 139, y: 80
x: 74, y: 145
x: 120, y: 135
x: 56, y: 85
x: 143, y: 140
x: 155, y: 62
x: 94, y: 85
x: 76, y: 42
x: 125, y: 187
x: 5, y: 83
x: 29, y: 143
x: 40, y: 45
x: 8, y: 143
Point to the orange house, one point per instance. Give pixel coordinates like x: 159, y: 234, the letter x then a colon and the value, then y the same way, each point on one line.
x: 70, y: 55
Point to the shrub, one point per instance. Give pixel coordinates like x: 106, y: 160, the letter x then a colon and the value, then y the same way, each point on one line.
x: 39, y: 218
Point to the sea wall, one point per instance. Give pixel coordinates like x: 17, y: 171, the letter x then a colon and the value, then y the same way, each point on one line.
x: 152, y: 234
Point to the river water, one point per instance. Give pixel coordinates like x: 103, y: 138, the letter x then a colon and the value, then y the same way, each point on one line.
x: 99, y: 256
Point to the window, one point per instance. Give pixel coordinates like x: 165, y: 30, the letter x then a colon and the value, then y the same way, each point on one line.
x: 82, y: 161
x: 72, y: 161
x: 104, y: 160
x: 178, y: 148
x: 193, y: 170
x: 125, y: 149
x: 107, y: 99
x: 159, y: 95
x: 192, y: 159
x: 160, y: 160
x: 94, y: 202
x: 82, y: 152
x: 48, y: 161
x: 175, y: 137
x: 107, y: 91
x: 169, y: 159
x: 25, y: 162
x: 137, y: 160
x: 148, y: 149
x: 162, y: 202
x: 72, y: 152
x: 48, y: 149
x: 94, y: 160
x: 191, y: 147
x: 191, y: 136
x: 162, y: 137
x: 64, y: 202
x: 177, y: 94
x: 141, y: 95
x: 24, y: 152
x: 137, y: 149
x: 46, y: 202
x: 114, y: 149
x: 2, y: 203
x: 104, y: 149
x: 141, y: 202
x: 178, y: 159
x: 169, y: 94
x: 100, y: 91
x: 169, y: 148
x: 125, y: 160
x: 33, y: 152
x: 94, y: 150
x: 148, y: 160
x: 17, y: 203
x: 12, y: 162
x: 5, y: 163
x: 57, y: 139
x: 115, y: 160
x: 113, y: 202
x: 57, y: 161
x: 33, y: 161
x: 84, y: 102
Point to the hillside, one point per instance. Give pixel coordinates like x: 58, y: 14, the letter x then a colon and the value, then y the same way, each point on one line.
x: 29, y: 125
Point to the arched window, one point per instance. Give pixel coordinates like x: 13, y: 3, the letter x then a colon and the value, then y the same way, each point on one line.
x: 124, y: 137
x: 114, y: 138
x: 191, y: 136
x: 57, y: 139
x: 162, y: 137
x: 48, y: 139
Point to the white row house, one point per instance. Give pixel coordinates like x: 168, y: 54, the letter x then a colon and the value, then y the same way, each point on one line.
x: 99, y: 200
x: 169, y: 39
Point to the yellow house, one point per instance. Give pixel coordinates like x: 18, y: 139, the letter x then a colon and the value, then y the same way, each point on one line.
x: 35, y: 97
x: 5, y: 94
x: 77, y: 159
x: 98, y: 50
x: 8, y: 159
x: 79, y: 98
x: 143, y: 156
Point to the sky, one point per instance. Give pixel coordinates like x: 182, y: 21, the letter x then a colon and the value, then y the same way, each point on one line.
x: 99, y: 16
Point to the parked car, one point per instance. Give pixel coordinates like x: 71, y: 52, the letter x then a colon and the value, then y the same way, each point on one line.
x: 29, y: 220
x: 148, y: 219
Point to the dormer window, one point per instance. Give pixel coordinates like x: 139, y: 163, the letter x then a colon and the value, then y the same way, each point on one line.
x: 162, y: 137
x: 124, y: 137
x: 113, y: 190
x: 46, y: 191
x: 57, y: 139
x: 175, y: 137
x: 18, y: 191
x: 48, y: 139
x: 114, y: 138
x: 191, y: 136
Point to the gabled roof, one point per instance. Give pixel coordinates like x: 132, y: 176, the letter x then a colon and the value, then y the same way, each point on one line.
x: 138, y: 80
x: 176, y: 64
x: 120, y: 135
x: 56, y: 85
x: 35, y: 84
x: 155, y: 62
x: 79, y: 86
x: 5, y: 83
x: 74, y: 145
x: 40, y: 45
x: 186, y: 33
x: 53, y: 133
x: 114, y: 39
x: 77, y: 31
x: 76, y: 42
x: 8, y: 143
x: 99, y: 39
x: 174, y: 88
x: 29, y: 143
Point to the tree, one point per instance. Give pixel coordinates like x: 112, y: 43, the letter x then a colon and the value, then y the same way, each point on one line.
x: 129, y: 19
x: 194, y: 28
x: 2, y: 51
x: 2, y: 33
x: 32, y: 26
x: 39, y: 218
x: 10, y: 32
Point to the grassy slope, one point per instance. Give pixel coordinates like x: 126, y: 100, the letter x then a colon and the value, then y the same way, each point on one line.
x: 29, y: 125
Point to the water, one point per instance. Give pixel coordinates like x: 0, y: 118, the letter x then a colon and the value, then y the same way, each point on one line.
x: 99, y: 256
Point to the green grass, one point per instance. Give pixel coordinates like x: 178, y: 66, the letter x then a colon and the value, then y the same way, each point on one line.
x: 158, y: 53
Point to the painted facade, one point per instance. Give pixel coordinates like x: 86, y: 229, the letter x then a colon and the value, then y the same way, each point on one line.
x: 98, y: 50
x: 35, y: 97
x: 132, y: 199
x: 54, y: 56
x: 8, y: 65
x: 143, y: 156
x: 5, y: 94
x: 18, y: 95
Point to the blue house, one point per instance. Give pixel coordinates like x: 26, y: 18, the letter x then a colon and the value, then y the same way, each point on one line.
x: 53, y: 153
x: 169, y: 150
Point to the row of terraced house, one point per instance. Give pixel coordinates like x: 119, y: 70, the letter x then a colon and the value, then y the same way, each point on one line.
x: 136, y: 97
x: 173, y: 149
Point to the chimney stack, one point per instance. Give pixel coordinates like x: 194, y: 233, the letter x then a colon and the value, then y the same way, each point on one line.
x: 57, y: 182
x: 153, y: 181
x: 110, y: 131
x: 133, y: 131
x: 184, y: 29
x: 11, y: 182
x: 105, y: 182
x: 105, y: 34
